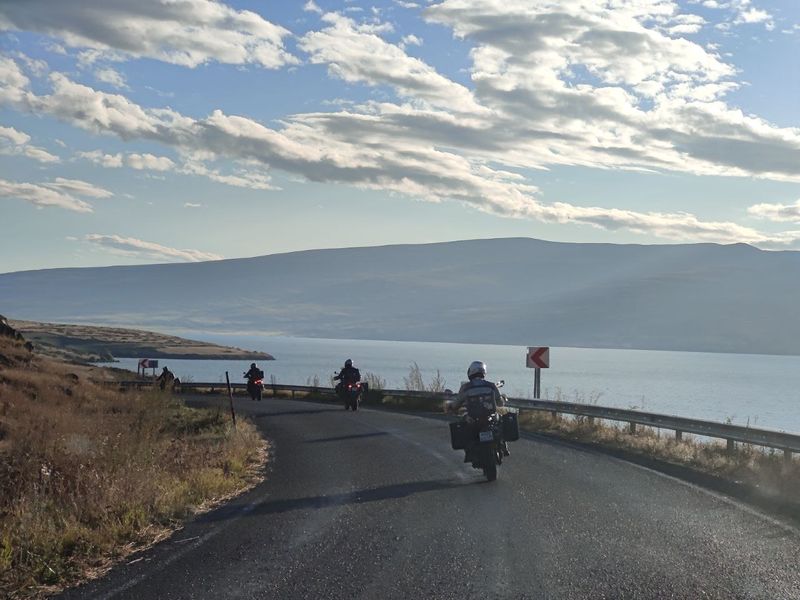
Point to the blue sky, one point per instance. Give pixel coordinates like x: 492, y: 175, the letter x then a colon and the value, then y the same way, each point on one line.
x: 156, y: 131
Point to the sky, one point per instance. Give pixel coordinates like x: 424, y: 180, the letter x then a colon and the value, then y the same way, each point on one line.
x: 188, y: 130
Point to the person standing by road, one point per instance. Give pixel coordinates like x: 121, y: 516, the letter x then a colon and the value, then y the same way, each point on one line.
x: 166, y: 378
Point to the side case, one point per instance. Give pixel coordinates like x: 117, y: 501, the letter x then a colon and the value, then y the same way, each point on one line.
x: 458, y: 435
x: 510, y: 427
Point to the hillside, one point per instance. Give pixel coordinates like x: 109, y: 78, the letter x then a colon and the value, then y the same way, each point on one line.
x: 89, y: 474
x: 98, y: 344
x: 702, y: 297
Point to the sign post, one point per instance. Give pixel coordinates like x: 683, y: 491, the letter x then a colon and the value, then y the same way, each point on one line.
x: 537, y: 358
x: 147, y: 363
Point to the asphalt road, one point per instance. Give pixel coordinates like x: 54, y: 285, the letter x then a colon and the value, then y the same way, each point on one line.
x: 376, y: 505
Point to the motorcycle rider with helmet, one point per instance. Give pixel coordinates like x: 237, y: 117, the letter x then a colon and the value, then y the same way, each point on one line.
x: 481, y: 398
x: 252, y: 376
x: 349, y: 374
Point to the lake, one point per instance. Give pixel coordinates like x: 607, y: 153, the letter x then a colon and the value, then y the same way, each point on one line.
x: 761, y: 390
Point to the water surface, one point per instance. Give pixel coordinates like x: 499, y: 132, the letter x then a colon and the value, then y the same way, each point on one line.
x: 760, y: 390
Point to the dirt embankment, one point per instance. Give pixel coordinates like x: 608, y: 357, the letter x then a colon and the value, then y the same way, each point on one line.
x: 85, y: 343
x: 88, y: 473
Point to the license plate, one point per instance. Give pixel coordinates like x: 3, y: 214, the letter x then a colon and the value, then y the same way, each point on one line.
x: 486, y: 436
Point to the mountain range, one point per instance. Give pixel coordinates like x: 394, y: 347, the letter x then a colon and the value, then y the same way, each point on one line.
x: 694, y: 297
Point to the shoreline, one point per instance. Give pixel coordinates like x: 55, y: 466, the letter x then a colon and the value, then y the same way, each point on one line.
x: 99, y: 344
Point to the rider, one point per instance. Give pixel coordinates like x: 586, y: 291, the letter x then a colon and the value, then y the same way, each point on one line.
x: 480, y: 397
x: 254, y: 373
x: 349, y: 374
x: 166, y: 377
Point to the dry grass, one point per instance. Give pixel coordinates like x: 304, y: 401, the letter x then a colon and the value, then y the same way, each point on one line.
x: 87, y: 473
x: 750, y: 464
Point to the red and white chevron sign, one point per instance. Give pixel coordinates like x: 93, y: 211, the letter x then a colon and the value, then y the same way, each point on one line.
x: 538, y: 357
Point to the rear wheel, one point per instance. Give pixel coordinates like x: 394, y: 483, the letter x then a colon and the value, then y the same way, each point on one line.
x: 490, y: 464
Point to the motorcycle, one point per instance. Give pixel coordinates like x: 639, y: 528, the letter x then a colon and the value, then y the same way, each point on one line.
x: 486, y: 450
x: 351, y: 392
x: 255, y: 387
x: 484, y: 439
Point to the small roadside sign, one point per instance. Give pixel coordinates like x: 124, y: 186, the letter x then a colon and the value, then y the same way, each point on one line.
x: 147, y: 363
x: 538, y: 357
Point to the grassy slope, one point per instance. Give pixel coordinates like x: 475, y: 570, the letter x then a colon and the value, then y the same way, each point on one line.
x: 89, y: 343
x: 87, y: 474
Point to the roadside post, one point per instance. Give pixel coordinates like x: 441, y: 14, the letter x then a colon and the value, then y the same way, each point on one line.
x: 537, y: 358
x: 230, y: 397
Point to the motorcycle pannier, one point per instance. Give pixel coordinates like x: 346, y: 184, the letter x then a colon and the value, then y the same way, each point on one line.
x: 510, y: 427
x: 459, y: 434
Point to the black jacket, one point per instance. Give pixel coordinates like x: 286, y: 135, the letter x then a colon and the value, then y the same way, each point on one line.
x: 349, y: 375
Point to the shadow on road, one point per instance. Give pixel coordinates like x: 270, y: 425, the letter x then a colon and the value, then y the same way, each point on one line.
x: 400, y: 490
x: 341, y: 438
x: 294, y: 412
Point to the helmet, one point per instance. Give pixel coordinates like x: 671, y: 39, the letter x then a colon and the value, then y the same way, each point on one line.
x: 348, y: 363
x: 252, y: 365
x: 476, y: 369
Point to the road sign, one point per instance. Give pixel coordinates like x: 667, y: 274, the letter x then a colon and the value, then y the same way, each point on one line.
x: 538, y: 357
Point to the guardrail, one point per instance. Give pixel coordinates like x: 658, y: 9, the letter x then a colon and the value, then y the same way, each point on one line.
x: 787, y: 442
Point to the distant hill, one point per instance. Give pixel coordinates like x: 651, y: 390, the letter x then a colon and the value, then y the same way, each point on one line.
x: 703, y: 297
x: 84, y: 343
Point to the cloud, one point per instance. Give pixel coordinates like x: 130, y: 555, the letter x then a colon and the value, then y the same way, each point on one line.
x: 41, y: 196
x: 243, y: 179
x: 18, y: 138
x: 13, y: 82
x: 182, y: 32
x: 748, y: 14
x: 13, y: 141
x: 36, y: 66
x: 609, y: 86
x: 743, y: 13
x: 191, y: 205
x: 141, y: 162
x: 311, y: 6
x: 111, y: 77
x: 78, y: 187
x: 149, y: 162
x: 780, y: 213
x: 355, y: 53
x: 109, y: 161
x: 410, y: 40
x: 129, y: 246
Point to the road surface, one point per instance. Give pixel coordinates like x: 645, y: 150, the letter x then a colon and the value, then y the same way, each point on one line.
x: 376, y: 505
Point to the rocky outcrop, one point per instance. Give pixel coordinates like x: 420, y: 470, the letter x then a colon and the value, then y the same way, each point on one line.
x: 7, y: 330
